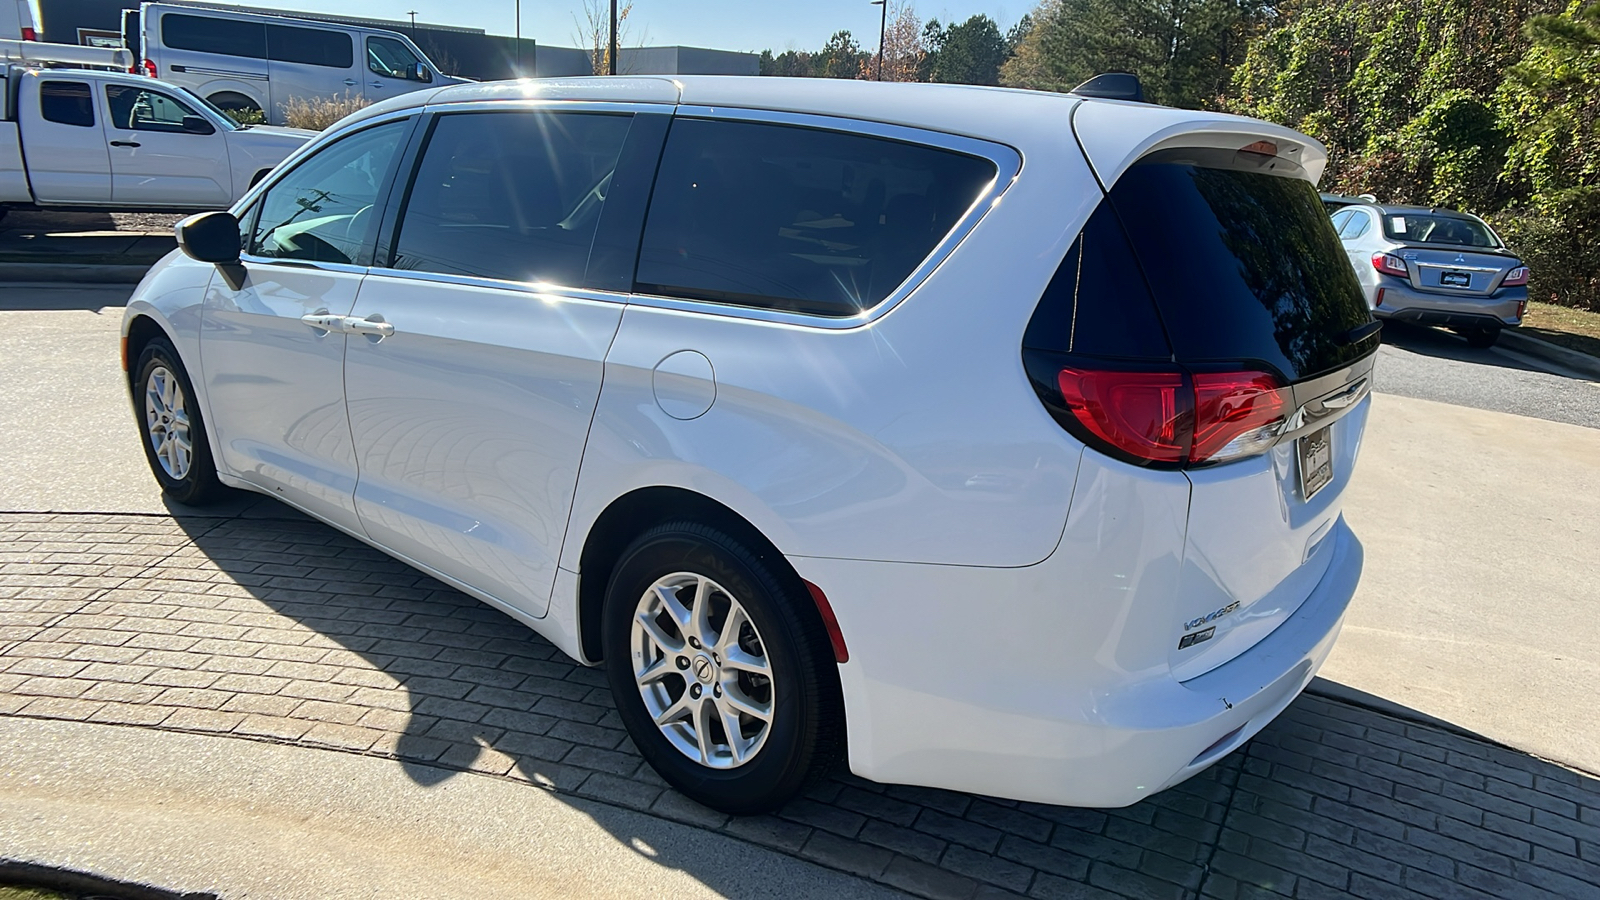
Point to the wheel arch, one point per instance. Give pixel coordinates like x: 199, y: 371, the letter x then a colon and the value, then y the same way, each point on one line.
x: 225, y: 93
x: 636, y: 511
x: 142, y: 329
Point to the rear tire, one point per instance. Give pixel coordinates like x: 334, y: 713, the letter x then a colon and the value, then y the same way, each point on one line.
x: 170, y: 427
x: 686, y: 677
x: 1480, y: 338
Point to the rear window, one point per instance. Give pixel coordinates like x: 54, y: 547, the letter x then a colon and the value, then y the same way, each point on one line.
x: 1242, y: 261
x: 229, y: 37
x: 798, y: 219
x: 1432, y: 228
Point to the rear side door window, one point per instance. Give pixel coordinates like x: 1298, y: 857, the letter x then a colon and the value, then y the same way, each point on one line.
x: 510, y: 196
x: 310, y: 46
x: 798, y: 219
x: 67, y: 103
x: 322, y: 210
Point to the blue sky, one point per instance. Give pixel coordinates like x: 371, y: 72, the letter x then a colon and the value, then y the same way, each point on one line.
x: 723, y: 24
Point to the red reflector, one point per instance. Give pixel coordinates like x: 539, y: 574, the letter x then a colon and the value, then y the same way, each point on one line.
x: 1389, y: 264
x: 1516, y: 277
x: 28, y: 34
x: 1379, y: 301
x: 1522, y: 309
x: 1234, y: 406
x: 1140, y: 413
x: 1265, y: 148
x: 829, y: 622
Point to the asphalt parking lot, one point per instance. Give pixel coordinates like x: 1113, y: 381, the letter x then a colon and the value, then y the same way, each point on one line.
x: 258, y: 627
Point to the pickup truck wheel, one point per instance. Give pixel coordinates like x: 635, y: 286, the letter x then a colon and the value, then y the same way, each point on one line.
x: 174, y: 436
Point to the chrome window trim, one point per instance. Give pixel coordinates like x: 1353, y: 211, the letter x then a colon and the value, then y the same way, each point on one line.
x: 1007, y: 161
x: 346, y: 268
x: 547, y: 104
x: 315, y: 145
x: 536, y: 288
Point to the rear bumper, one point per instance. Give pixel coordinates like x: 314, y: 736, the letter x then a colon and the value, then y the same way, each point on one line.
x: 939, y: 702
x: 1403, y: 302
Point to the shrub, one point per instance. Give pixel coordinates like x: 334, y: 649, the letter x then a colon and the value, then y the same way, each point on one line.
x: 317, y: 113
x: 247, y: 116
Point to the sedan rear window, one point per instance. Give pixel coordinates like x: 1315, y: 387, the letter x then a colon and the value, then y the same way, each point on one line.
x: 1432, y: 228
x: 1242, y: 261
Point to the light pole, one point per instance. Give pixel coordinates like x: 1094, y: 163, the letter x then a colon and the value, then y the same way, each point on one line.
x: 413, y: 15
x: 518, y: 39
x: 883, y: 25
x: 611, y: 68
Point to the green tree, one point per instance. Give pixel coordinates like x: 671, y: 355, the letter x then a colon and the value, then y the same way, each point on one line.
x: 840, y: 57
x: 969, y: 53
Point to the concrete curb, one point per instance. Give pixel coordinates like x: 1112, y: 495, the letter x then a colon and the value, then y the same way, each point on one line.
x: 1588, y: 365
x: 84, y: 274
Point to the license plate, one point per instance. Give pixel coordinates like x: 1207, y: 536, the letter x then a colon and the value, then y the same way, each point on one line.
x: 1455, y: 279
x: 1316, y: 461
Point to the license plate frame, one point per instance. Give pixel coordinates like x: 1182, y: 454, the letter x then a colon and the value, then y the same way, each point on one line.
x: 1455, y: 279
x: 1314, y: 453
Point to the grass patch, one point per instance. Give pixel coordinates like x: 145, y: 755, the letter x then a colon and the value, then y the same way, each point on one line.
x: 9, y: 892
x: 1575, y: 329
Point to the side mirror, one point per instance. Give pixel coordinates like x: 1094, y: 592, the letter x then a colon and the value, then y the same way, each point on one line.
x: 211, y: 237
x: 198, y: 125
x: 420, y: 72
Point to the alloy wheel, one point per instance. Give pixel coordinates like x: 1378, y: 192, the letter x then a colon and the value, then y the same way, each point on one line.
x: 702, y: 669
x: 166, y: 418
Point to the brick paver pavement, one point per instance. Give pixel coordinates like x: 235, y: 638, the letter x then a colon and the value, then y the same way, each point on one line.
x: 285, y: 630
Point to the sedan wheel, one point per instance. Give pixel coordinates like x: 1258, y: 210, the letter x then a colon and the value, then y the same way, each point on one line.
x: 720, y: 668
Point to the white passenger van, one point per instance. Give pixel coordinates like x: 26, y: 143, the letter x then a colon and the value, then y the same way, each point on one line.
x: 242, y: 61
x: 18, y: 21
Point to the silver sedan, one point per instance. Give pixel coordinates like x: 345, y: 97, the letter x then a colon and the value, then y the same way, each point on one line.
x: 1434, y: 267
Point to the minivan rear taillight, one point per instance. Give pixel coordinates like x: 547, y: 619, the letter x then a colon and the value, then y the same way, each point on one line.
x: 1389, y: 264
x: 1171, y: 416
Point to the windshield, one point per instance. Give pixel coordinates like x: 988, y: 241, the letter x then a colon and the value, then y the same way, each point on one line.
x: 228, y: 124
x: 1432, y: 228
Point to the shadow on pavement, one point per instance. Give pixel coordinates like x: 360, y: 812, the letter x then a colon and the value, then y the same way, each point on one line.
x: 1442, y: 344
x: 1331, y: 799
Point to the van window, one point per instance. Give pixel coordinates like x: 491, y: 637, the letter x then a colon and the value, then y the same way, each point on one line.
x: 798, y: 219
x: 310, y: 46
x: 511, y: 196
x: 66, y: 102
x: 1097, y: 303
x: 138, y: 109
x: 393, y: 59
x: 322, y: 210
x: 208, y: 34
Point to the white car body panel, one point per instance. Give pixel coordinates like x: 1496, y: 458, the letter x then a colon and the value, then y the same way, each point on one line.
x: 469, y: 423
x: 1010, y: 599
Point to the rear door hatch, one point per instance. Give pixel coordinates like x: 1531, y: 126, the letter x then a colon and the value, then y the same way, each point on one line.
x: 1248, y: 276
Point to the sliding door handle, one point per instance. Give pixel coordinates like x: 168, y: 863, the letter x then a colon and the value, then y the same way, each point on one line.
x: 324, y: 322
x: 371, y: 325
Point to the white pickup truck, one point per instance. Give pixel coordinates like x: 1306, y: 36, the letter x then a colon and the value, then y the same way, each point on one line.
x: 83, y: 138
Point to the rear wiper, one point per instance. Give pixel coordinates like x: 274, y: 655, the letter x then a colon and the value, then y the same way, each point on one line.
x: 1360, y: 333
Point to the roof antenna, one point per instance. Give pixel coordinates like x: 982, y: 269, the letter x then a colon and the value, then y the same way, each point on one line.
x: 1112, y: 86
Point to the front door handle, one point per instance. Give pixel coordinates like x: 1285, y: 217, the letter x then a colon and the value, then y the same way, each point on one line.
x: 324, y: 322
x: 124, y: 143
x: 351, y: 82
x: 372, y: 325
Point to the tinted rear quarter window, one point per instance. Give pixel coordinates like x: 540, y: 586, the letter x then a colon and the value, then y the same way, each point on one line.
x: 510, y: 196
x: 1242, y: 261
x: 310, y: 46
x: 798, y: 219
x: 66, y: 102
x: 1097, y: 303
x: 209, y: 34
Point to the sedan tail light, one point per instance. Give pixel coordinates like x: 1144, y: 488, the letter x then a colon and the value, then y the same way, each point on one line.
x: 1389, y: 264
x: 1170, y: 416
x: 1516, y: 277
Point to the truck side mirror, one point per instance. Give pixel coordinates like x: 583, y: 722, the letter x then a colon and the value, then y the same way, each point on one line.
x: 198, y: 125
x: 420, y: 72
x: 211, y: 237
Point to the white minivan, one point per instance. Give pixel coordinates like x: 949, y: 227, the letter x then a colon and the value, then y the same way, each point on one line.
x: 244, y: 62
x: 995, y: 438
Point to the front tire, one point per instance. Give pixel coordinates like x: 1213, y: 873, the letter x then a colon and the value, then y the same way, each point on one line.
x: 171, y: 429
x: 720, y: 668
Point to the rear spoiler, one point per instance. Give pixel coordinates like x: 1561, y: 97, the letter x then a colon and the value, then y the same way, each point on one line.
x: 1114, y: 136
